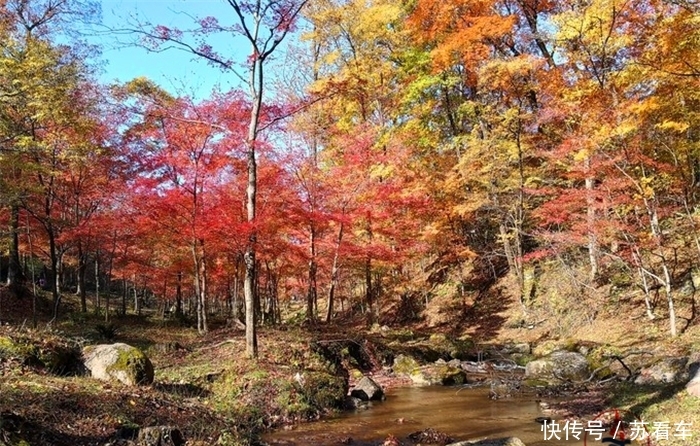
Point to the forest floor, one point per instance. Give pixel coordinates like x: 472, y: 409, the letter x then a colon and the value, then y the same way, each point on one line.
x: 206, y: 386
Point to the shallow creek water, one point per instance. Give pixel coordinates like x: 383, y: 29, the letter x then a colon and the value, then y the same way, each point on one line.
x: 463, y: 414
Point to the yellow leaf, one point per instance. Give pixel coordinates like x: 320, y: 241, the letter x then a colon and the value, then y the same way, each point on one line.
x: 582, y: 155
x: 679, y: 127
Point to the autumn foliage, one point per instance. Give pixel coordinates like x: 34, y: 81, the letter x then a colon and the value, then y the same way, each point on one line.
x: 412, y: 138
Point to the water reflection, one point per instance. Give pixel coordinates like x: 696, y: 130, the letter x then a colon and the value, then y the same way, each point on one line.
x: 466, y: 414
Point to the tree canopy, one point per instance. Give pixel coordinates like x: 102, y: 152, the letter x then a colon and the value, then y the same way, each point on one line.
x: 412, y: 144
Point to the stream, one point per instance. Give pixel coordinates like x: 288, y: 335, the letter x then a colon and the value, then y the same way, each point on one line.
x: 463, y: 414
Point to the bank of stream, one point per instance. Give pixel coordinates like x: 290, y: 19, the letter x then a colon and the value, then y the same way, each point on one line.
x: 461, y: 413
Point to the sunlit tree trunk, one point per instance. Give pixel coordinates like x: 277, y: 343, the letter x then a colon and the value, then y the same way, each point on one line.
x: 97, y: 280
x: 200, y: 285
x: 203, y: 290
x: 666, y: 279
x: 593, y: 253
x: 197, y: 286
x: 125, y: 293
x: 256, y: 82
x: 137, y: 304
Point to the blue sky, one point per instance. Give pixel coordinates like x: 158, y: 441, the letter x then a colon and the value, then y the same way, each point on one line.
x: 176, y: 71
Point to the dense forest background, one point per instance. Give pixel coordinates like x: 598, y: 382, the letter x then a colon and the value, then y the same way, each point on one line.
x: 403, y: 160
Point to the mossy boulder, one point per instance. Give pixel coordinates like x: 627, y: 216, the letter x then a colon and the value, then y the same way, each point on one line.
x: 438, y: 375
x: 569, y: 345
x: 17, y: 349
x: 548, y: 347
x: 258, y: 399
x: 437, y: 346
x: 441, y: 373
x: 601, y: 359
x: 400, y: 334
x: 421, y: 351
x: 118, y: 362
x: 451, y: 348
x: 560, y: 366
x: 405, y: 365
x: 324, y: 390
x: 522, y: 359
x: 46, y: 351
x: 520, y: 348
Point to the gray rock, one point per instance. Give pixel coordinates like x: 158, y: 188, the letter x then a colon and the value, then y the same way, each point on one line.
x: 509, y: 441
x: 559, y: 366
x: 668, y: 370
x: 160, y: 436
x: 366, y: 390
x: 693, y: 386
x: 118, y: 362
x: 455, y: 363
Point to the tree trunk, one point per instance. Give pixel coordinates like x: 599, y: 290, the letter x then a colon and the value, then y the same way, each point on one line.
x: 14, y: 269
x: 368, y: 284
x: 97, y: 280
x: 369, y: 291
x: 334, y: 273
x: 197, y: 284
x: 178, y: 295
x: 249, y: 296
x: 109, y: 275
x: 200, y: 286
x: 55, y: 290
x: 519, y: 220
x: 137, y: 302
x: 236, y: 305
x: 511, y: 257
x: 641, y: 272
x: 669, y: 300
x: 125, y: 292
x: 654, y: 225
x: 203, y: 290
x: 82, y: 269
x: 311, y: 296
x: 34, y: 293
x: 256, y: 80
x: 590, y: 221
